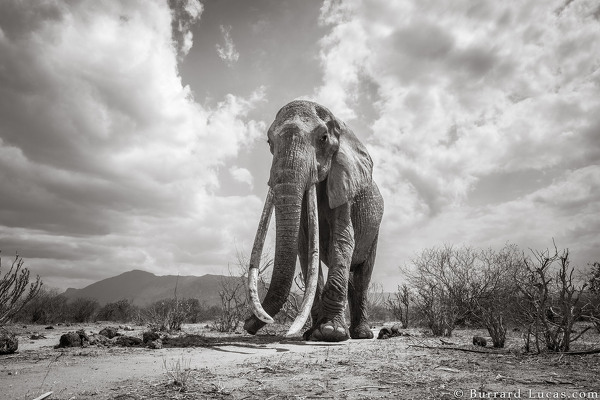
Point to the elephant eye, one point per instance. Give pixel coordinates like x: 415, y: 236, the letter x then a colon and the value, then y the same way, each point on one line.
x: 324, y: 138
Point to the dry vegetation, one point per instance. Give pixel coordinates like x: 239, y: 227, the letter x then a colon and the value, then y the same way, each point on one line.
x: 203, y: 364
x: 543, y: 324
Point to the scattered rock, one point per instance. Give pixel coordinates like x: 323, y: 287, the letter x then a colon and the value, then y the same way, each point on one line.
x: 100, y: 340
x: 73, y: 339
x: 150, y: 336
x: 391, y: 331
x: 69, y: 339
x: 155, y: 344
x: 110, y: 332
x: 37, y: 336
x: 384, y: 333
x: 49, y: 327
x: 128, y: 341
x: 479, y: 341
x: 126, y: 328
x: 9, y: 343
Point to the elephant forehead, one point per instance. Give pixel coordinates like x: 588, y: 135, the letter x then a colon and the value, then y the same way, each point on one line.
x: 303, y: 123
x: 304, y: 118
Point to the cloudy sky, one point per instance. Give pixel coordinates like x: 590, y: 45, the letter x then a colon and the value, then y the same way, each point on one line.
x: 133, y: 133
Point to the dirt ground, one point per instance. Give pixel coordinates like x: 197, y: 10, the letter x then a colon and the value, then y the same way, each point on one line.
x: 240, y: 366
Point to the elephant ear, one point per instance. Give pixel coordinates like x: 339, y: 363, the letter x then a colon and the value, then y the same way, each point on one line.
x: 351, y: 166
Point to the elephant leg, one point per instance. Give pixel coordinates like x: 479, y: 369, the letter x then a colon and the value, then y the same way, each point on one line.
x: 330, y: 326
x: 358, y: 288
x: 303, y: 258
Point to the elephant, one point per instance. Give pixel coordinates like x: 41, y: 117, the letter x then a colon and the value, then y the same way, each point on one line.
x: 328, y: 210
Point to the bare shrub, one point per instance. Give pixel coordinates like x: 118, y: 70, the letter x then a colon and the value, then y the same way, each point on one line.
x: 550, y: 302
x: 48, y: 307
x: 233, y: 304
x: 291, y: 308
x: 178, y: 372
x: 234, y: 292
x: 593, y: 307
x: 495, y: 292
x: 463, y: 286
x: 167, y: 314
x: 82, y: 309
x: 398, y: 304
x: 13, y: 289
x: 444, y: 288
x: 376, y: 306
x: 119, y: 311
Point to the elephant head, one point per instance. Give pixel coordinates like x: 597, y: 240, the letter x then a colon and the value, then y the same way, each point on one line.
x: 309, y: 146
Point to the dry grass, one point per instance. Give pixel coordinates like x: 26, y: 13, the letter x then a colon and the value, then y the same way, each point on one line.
x: 178, y: 371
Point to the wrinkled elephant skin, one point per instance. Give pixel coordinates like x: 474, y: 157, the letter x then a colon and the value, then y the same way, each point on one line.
x: 311, y: 150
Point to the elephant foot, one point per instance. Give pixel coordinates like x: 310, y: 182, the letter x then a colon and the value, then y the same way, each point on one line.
x: 328, y: 331
x: 361, y: 331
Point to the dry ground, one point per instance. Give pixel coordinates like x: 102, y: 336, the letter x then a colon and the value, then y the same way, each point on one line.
x: 271, y: 367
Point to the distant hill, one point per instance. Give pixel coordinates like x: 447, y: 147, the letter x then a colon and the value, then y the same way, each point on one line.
x: 142, y: 288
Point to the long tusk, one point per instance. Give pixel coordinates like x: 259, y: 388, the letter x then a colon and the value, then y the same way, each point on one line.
x: 312, y: 274
x: 259, y: 242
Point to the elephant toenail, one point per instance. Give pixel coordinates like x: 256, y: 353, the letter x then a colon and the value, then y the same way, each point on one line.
x: 327, y: 329
x: 341, y: 330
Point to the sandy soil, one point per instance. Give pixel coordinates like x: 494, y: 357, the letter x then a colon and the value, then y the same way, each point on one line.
x: 271, y: 367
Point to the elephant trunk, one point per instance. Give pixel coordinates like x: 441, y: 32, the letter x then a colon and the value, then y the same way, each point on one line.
x: 287, y: 194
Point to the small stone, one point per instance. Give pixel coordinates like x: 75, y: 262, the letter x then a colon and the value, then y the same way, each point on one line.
x: 479, y: 341
x: 9, y: 343
x: 110, y: 332
x: 155, y: 344
x: 150, y: 336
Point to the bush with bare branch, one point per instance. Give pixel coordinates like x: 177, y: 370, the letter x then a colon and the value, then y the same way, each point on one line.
x: 445, y: 290
x: 496, y: 290
x: 290, y: 309
x: 376, y: 303
x: 234, y: 293
x: 550, y: 303
x: 465, y: 286
x: 82, y: 309
x: 14, y: 294
x: 594, y: 289
x: 167, y: 314
x: 398, y: 304
x: 48, y: 307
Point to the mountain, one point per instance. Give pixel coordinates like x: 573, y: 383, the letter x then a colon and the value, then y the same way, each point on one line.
x: 142, y: 288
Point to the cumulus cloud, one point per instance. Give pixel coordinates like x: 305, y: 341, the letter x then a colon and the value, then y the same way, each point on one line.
x: 241, y: 175
x: 465, y: 91
x: 228, y: 52
x: 106, y: 159
x: 185, y: 13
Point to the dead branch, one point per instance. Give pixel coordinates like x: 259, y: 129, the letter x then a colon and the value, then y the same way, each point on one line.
x: 44, y: 396
x: 581, y: 333
x: 580, y: 352
x: 459, y: 349
x: 362, y: 387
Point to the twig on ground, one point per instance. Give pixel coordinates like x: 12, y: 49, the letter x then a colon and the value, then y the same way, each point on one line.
x: 48, y: 370
x: 391, y: 382
x: 459, y: 349
x: 362, y: 387
x: 44, y: 396
x: 580, y: 352
x: 446, y: 342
